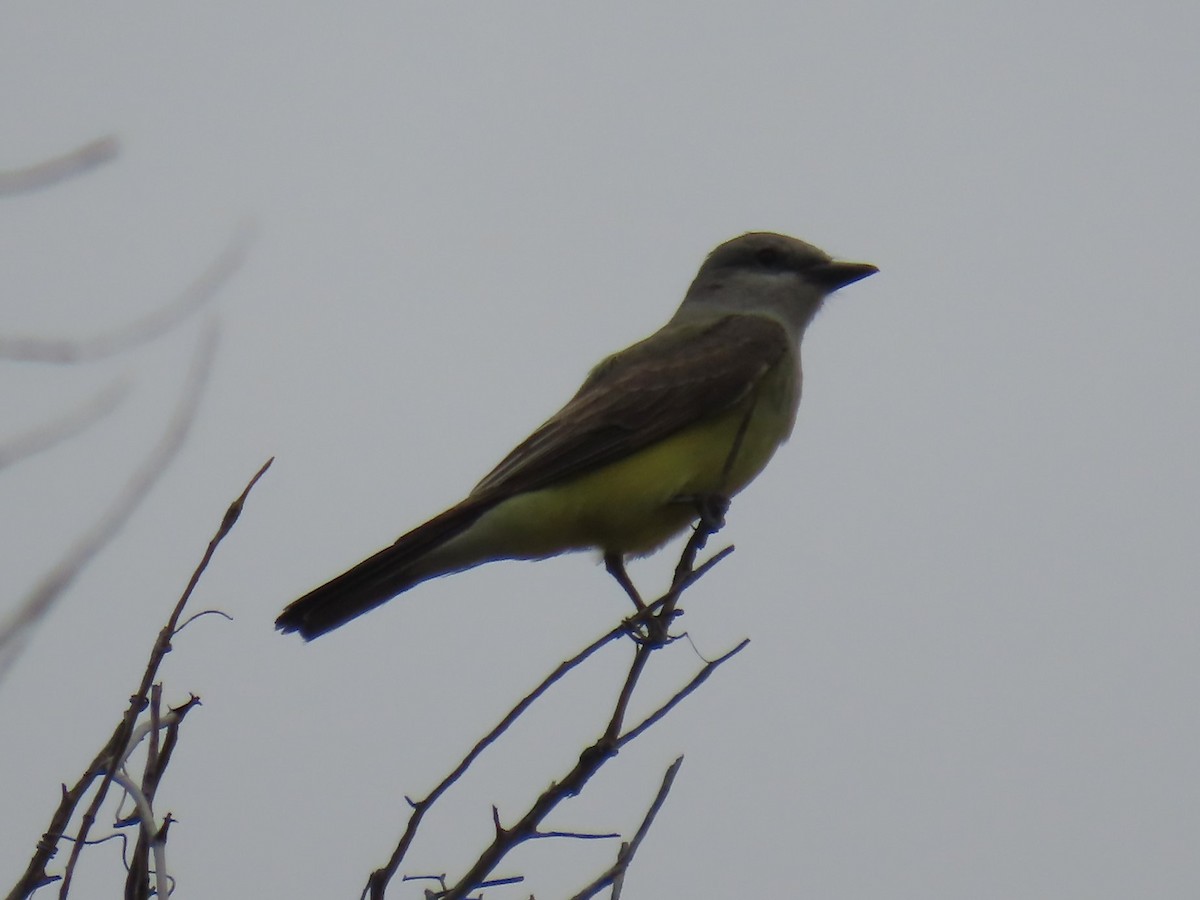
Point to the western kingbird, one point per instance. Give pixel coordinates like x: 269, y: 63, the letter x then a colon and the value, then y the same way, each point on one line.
x: 690, y: 414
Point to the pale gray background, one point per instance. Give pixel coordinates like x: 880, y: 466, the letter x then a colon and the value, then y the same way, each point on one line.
x: 970, y: 579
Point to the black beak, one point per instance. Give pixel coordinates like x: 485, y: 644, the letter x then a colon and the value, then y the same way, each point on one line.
x: 836, y: 274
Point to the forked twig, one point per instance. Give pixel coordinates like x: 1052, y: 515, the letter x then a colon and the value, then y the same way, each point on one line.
x: 108, y: 762
x: 616, y: 873
x: 656, y: 619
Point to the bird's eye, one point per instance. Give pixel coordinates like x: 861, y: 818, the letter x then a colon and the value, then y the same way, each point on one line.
x: 769, y: 257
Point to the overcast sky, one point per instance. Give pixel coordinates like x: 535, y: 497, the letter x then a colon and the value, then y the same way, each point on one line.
x: 970, y: 580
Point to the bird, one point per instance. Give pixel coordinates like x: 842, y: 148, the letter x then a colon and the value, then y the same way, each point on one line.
x: 658, y: 436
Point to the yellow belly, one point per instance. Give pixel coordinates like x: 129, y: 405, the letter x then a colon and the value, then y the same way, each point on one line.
x: 635, y: 505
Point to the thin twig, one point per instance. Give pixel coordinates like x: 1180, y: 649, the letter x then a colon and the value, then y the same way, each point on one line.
x: 656, y: 618
x: 158, y: 756
x: 697, y: 680
x: 162, y: 646
x: 378, y: 881
x: 590, y: 762
x: 51, y: 171
x: 139, y: 331
x: 46, y: 436
x: 627, y: 851
x: 200, y: 615
x: 704, y: 568
x: 117, y: 746
x: 146, y: 815
x: 577, y: 835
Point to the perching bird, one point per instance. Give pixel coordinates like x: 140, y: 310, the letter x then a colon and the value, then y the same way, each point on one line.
x: 690, y: 414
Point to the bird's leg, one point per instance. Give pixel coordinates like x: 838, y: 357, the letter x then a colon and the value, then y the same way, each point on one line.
x: 655, y: 626
x: 614, y: 564
x: 710, y: 515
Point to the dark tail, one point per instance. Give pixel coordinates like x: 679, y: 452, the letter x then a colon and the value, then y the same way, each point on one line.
x: 377, y: 578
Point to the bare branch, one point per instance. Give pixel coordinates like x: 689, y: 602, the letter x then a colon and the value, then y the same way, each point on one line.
x: 697, y: 680
x: 577, y: 835
x: 657, y: 618
x: 704, y: 568
x: 139, y: 331
x: 146, y: 815
x: 653, y: 621
x: 108, y: 760
x: 590, y: 762
x: 377, y: 883
x: 616, y: 873
x: 52, y: 171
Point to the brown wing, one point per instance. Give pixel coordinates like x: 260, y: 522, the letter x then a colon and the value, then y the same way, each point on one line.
x: 640, y: 396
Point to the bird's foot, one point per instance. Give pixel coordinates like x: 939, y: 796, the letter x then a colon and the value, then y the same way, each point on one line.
x: 710, y: 510
x: 652, y: 628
